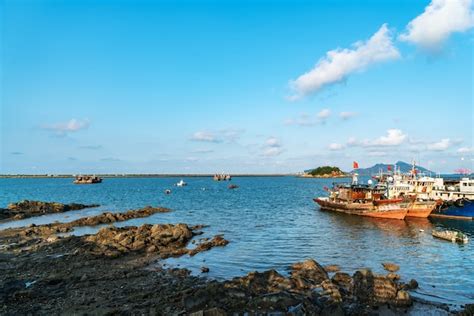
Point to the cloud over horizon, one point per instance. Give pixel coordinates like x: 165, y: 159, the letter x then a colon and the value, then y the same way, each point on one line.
x: 438, y: 22
x: 338, y: 64
x: 272, y: 147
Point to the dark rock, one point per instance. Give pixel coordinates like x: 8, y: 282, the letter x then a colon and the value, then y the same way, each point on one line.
x: 402, y: 299
x: 343, y: 280
x: 216, y: 241
x: 308, y: 274
x: 468, y: 310
x: 411, y: 285
x: 204, y: 269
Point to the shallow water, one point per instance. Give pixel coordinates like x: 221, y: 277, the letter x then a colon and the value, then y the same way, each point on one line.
x: 271, y: 223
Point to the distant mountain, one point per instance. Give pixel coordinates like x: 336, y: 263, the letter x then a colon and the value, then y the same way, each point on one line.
x: 404, y: 167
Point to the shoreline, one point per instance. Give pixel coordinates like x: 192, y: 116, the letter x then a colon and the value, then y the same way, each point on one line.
x: 74, y: 274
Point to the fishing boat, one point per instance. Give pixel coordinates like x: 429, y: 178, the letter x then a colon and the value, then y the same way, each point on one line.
x: 450, y: 235
x: 463, y: 209
x: 421, y: 208
x: 81, y: 179
x: 454, y: 190
x: 363, y: 200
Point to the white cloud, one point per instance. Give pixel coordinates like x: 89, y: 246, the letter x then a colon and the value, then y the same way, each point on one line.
x: 347, y: 115
x: 440, y: 19
x: 224, y: 135
x: 339, y: 63
x: 71, y: 126
x: 272, y: 147
x: 324, y: 114
x: 272, y: 151
x: 394, y: 137
x: 442, y: 145
x: 302, y: 120
x: 204, y: 136
x: 336, y: 146
x: 465, y: 150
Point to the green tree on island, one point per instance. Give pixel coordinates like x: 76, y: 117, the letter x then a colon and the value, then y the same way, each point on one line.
x: 325, y: 170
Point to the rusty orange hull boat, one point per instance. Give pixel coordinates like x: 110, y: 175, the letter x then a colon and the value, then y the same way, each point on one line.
x: 393, y: 210
x: 421, y: 208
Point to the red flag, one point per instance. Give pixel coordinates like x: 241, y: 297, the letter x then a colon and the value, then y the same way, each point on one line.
x: 389, y: 168
x: 355, y: 165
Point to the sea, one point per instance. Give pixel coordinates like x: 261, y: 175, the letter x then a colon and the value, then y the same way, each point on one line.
x: 271, y: 222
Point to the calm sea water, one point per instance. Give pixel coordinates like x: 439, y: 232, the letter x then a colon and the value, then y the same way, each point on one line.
x: 271, y: 223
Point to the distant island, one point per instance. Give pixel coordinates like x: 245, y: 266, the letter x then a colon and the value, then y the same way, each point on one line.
x: 324, y: 172
x: 404, y: 167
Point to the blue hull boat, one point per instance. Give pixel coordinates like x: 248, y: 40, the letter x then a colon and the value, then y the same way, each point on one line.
x: 459, y: 208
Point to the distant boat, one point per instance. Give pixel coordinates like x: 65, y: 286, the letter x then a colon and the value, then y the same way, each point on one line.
x: 181, y: 183
x: 222, y: 177
x: 87, y: 180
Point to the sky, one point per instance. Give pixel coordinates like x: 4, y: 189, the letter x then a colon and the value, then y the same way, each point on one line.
x: 117, y: 86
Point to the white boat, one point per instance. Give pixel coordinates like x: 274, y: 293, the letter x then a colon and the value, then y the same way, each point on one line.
x: 426, y: 187
x: 181, y: 183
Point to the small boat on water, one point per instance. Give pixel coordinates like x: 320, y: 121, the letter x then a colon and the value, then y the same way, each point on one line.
x: 363, y: 200
x: 87, y: 180
x: 222, y: 177
x: 181, y: 183
x: 450, y: 235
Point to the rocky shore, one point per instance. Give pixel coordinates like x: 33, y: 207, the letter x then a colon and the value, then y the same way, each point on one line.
x: 26, y: 209
x: 120, y: 271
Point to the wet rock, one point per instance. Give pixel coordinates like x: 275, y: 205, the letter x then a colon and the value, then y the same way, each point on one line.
x: 411, y: 285
x: 343, y: 280
x: 390, y: 267
x: 364, y: 286
x: 332, y: 268
x: 161, y: 238
x: 402, y: 299
x: 262, y: 282
x: 393, y: 276
x: 331, y: 290
x: 385, y: 290
x: 308, y: 274
x: 204, y: 269
x: 26, y: 208
x: 216, y: 241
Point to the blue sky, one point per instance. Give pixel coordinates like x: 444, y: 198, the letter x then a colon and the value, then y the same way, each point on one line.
x: 235, y: 86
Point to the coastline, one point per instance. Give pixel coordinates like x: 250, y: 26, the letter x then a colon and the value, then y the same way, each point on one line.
x: 76, y: 273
